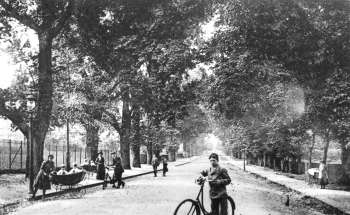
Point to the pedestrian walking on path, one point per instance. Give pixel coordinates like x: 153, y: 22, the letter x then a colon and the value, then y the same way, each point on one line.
x: 42, y: 180
x: 155, y: 164
x: 218, y: 179
x: 118, y: 171
x: 165, y: 166
x: 100, y: 162
x: 323, y: 175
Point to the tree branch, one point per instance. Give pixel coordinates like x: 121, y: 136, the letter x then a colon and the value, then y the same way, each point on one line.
x: 114, y: 121
x: 17, y: 118
x: 12, y: 12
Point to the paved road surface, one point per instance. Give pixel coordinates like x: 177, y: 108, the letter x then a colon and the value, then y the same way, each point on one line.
x: 159, y: 196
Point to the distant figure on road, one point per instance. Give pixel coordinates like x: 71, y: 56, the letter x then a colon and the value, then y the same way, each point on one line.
x: 155, y: 164
x: 165, y: 166
x: 100, y: 162
x: 118, y: 171
x: 42, y: 180
x: 323, y: 175
x: 218, y: 178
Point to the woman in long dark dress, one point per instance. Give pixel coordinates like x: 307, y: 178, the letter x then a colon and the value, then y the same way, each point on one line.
x: 165, y: 166
x: 323, y: 175
x: 155, y: 164
x: 42, y: 180
x: 101, y: 170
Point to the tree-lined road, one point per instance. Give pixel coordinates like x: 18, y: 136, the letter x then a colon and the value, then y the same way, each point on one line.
x: 159, y: 196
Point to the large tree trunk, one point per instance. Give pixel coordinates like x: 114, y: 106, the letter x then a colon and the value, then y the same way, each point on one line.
x: 345, y: 162
x: 149, y: 152
x: 92, y: 141
x: 325, y: 150
x: 311, y: 149
x: 125, y: 132
x: 136, y: 162
x: 137, y: 138
x: 41, y: 121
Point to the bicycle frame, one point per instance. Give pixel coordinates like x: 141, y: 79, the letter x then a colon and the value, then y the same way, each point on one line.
x: 200, y: 200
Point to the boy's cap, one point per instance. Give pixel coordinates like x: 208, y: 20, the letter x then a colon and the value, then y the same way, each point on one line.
x: 214, y: 156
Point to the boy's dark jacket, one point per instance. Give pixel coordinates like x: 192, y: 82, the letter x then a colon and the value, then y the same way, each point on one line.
x: 218, y: 179
x: 118, y: 167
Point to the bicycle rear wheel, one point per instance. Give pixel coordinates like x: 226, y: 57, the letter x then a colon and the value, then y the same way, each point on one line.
x: 231, y: 206
x: 187, y: 207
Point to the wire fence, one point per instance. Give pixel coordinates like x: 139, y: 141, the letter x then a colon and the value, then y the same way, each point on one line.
x: 13, y: 154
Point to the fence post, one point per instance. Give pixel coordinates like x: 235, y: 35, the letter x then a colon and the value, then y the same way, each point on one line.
x: 10, y: 164
x: 80, y: 154
x: 75, y: 154
x: 56, y: 154
x: 21, y: 154
x: 63, y: 154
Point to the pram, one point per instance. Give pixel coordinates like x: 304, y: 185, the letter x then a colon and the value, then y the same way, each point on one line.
x: 312, y: 175
x: 90, y: 168
x: 69, y: 180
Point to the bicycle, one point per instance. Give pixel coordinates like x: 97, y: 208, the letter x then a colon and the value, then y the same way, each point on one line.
x: 197, y: 206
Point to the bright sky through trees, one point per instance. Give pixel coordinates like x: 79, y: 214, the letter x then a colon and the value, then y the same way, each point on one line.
x: 7, y: 70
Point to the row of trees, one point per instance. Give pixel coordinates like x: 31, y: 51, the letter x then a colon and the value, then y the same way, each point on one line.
x: 100, y: 63
x: 281, y: 76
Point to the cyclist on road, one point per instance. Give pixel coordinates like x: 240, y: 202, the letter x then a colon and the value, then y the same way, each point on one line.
x: 218, y: 178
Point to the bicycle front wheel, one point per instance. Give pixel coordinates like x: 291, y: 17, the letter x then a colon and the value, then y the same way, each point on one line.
x: 187, y: 207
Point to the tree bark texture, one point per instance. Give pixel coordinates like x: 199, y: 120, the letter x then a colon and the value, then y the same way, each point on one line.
x: 125, y: 131
x: 137, y: 138
x: 41, y: 121
x: 92, y: 141
x: 325, y: 150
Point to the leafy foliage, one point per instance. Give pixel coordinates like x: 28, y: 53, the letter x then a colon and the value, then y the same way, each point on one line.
x: 279, y: 71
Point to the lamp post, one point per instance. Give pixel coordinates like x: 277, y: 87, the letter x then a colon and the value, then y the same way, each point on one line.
x: 31, y: 104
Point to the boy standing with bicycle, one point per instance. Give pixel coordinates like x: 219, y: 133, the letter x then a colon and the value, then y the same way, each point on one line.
x: 218, y: 179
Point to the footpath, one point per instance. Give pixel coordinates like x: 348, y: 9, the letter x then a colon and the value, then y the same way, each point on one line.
x: 335, y: 198
x: 90, y: 181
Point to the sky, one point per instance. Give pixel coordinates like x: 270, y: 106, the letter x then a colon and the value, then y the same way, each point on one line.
x: 7, y: 69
